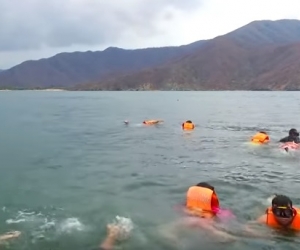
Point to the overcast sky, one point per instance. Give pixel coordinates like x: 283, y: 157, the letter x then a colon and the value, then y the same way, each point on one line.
x: 34, y: 29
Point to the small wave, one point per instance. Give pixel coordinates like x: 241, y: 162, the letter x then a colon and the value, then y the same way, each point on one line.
x: 48, y: 226
x: 69, y: 225
x: 12, y: 221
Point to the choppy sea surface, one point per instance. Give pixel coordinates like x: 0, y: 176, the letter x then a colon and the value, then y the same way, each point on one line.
x: 69, y: 165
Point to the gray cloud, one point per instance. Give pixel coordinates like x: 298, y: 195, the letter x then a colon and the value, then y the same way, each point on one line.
x: 33, y: 24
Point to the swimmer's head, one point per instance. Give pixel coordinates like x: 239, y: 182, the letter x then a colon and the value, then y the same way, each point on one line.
x: 205, y: 185
x: 263, y: 132
x: 282, y: 208
x: 188, y: 121
x: 293, y: 132
x: 126, y: 122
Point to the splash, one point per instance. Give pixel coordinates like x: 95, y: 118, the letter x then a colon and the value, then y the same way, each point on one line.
x: 69, y: 225
x: 124, y: 226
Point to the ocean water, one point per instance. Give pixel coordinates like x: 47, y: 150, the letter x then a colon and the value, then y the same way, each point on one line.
x: 69, y: 165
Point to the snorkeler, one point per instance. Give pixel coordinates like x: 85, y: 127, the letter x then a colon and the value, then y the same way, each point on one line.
x: 281, y: 214
x: 292, y: 137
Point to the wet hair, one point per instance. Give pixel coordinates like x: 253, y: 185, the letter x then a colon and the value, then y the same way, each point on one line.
x: 205, y: 185
x: 293, y: 131
x: 281, y: 201
x: 263, y: 132
x: 188, y: 121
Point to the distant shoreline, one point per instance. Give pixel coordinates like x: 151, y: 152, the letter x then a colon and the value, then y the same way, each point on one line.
x: 162, y: 90
x: 33, y: 90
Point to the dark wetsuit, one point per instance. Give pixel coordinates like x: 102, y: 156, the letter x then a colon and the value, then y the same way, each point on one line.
x: 291, y: 138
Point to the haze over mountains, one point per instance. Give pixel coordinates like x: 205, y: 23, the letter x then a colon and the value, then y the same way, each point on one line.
x: 263, y: 55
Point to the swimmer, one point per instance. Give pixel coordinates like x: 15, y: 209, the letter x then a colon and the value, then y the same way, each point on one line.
x: 152, y: 122
x: 9, y: 235
x: 281, y: 214
x: 292, y: 137
x: 260, y: 138
x: 126, y: 122
x: 188, y: 125
x: 200, y: 211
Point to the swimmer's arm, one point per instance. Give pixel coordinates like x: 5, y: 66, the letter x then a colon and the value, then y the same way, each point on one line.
x: 108, y: 243
x: 262, y: 219
x: 10, y: 235
x: 209, y: 227
x: 170, y: 231
x: 250, y: 232
x: 111, y: 237
x: 218, y: 233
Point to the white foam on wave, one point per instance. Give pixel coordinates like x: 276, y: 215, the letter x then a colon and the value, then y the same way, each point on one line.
x: 124, y: 225
x: 43, y: 226
x: 12, y: 221
x: 25, y: 217
x: 69, y: 225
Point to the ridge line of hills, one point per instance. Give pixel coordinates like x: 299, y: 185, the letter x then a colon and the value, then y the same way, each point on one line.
x: 262, y: 55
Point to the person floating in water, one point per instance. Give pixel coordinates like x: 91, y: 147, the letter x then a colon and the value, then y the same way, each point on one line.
x: 260, y: 138
x: 188, y: 125
x: 152, y: 122
x: 200, y: 210
x: 292, y: 137
x: 281, y: 214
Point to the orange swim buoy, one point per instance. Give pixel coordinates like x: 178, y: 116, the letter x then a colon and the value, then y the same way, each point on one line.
x: 201, y: 201
x: 188, y: 125
x: 260, y: 138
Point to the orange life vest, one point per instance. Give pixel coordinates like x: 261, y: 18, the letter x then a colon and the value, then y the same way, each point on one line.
x: 201, y: 200
x: 260, y: 138
x: 188, y: 126
x: 272, y: 222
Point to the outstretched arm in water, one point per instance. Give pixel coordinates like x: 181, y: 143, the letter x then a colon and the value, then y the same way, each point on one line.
x: 171, y: 231
x: 249, y: 231
x: 9, y: 235
x: 111, y: 237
